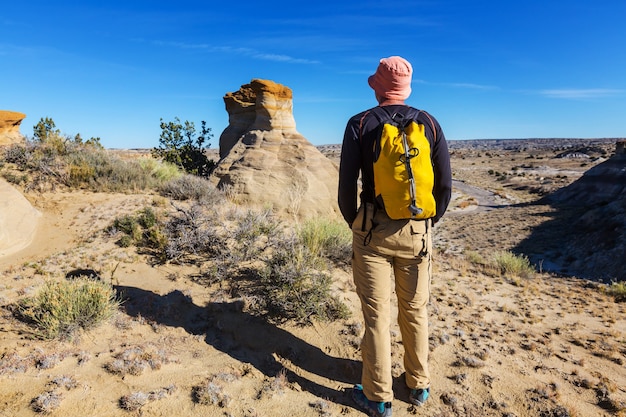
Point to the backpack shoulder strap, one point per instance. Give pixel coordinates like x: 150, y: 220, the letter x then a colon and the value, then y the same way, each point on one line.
x: 388, y: 116
x: 432, y: 125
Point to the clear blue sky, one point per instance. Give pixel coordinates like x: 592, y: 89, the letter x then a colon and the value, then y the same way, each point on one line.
x: 484, y: 68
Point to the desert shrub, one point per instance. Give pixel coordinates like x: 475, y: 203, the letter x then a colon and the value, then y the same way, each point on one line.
x: 19, y: 154
x: 474, y: 258
x: 134, y: 401
x: 617, y: 290
x: 184, y: 236
x: 100, y: 170
x: 134, y: 360
x: 328, y: 238
x: 144, y: 229
x: 295, y: 285
x: 129, y: 226
x: 190, y: 234
x: 191, y: 187
x: 513, y: 265
x: 180, y: 146
x: 211, y: 393
x: 161, y: 170
x: 253, y: 231
x: 63, y: 307
x: 47, y: 402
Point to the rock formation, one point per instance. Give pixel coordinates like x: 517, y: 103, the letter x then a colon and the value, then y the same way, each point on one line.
x: 600, y: 185
x: 265, y: 161
x: 18, y: 220
x: 590, y: 222
x: 10, y: 127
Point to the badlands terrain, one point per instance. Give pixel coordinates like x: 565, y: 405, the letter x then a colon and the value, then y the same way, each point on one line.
x: 552, y: 343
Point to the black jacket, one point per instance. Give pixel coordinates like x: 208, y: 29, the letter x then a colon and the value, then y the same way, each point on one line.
x: 357, y: 160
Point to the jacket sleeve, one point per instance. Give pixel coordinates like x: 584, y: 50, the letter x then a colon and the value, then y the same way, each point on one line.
x: 442, y: 190
x: 349, y: 169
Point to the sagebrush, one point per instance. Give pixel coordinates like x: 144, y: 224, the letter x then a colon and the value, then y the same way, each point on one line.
x: 61, y: 308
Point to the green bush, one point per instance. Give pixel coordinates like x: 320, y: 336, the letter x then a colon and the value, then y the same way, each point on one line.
x: 327, y: 238
x: 180, y: 146
x: 618, y: 291
x: 129, y: 226
x: 62, y: 308
x: 161, y: 170
x: 143, y: 229
x: 474, y: 258
x: 513, y: 265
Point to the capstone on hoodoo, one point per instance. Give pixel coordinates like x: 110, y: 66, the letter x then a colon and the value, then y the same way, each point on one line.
x: 264, y: 161
x: 10, y: 127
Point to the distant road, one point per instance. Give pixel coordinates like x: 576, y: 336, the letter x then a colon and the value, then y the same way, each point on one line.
x: 486, y: 199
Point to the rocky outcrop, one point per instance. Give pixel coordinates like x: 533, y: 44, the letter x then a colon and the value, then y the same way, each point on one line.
x: 600, y: 185
x: 18, y: 220
x: 589, y: 223
x: 10, y: 127
x: 266, y: 162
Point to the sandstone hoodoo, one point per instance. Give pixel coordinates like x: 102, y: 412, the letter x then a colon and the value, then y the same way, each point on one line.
x: 10, y: 127
x: 266, y: 162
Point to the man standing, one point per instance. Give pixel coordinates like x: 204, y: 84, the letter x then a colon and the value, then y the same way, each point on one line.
x: 383, y: 243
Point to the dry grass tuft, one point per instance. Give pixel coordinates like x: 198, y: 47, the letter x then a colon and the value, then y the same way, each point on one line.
x: 618, y: 291
x: 211, y: 393
x: 275, y: 386
x: 134, y: 401
x: 47, y: 402
x: 134, y: 360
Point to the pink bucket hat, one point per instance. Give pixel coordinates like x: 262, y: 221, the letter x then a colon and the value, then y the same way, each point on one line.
x: 392, y: 79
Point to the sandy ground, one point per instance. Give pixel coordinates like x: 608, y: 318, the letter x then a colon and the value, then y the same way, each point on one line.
x: 500, y: 346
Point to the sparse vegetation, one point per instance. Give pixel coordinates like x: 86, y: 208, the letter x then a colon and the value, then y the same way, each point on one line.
x: 618, y: 291
x: 328, y: 238
x: 135, y: 359
x: 294, y: 282
x: 196, y: 268
x: 61, y: 308
x: 191, y: 187
x: 51, y: 160
x: 211, y: 393
x: 47, y: 402
x: 135, y: 400
x: 295, y: 285
x: 513, y: 266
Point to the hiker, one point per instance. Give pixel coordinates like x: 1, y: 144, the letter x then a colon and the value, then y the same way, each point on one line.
x: 382, y: 245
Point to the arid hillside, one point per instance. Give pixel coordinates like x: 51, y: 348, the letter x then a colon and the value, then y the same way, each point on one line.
x: 187, y: 340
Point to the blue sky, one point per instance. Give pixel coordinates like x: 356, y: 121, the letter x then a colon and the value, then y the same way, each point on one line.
x: 485, y: 69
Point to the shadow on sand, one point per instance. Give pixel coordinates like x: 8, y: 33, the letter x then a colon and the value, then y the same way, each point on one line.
x: 248, y: 339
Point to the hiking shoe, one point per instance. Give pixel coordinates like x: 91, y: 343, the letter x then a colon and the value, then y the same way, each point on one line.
x: 418, y: 396
x: 372, y: 408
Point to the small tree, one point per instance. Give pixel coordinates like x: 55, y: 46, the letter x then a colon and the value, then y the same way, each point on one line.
x: 45, y: 132
x: 44, y: 129
x: 179, y: 145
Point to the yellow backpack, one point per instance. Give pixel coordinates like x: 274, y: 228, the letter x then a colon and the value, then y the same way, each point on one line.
x: 403, y: 171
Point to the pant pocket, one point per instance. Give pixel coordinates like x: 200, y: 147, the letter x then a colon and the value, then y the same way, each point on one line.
x: 421, y: 239
x: 363, y: 221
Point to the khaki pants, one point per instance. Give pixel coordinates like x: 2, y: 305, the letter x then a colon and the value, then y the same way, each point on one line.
x: 404, y: 247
